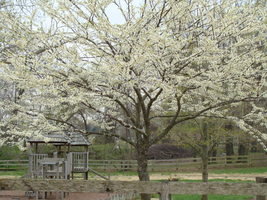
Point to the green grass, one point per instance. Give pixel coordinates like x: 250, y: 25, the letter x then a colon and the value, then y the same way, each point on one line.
x: 240, y: 170
x: 251, y: 170
x: 13, y: 173
x: 121, y: 173
x: 133, y: 173
x: 211, y: 197
x: 220, y: 180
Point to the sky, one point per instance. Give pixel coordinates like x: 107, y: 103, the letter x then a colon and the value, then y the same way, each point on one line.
x: 114, y: 13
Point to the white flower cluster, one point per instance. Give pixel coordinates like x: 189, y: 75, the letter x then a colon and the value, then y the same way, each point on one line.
x: 175, y: 60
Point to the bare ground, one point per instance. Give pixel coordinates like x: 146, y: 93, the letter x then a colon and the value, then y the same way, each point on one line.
x: 191, y: 176
x: 179, y: 176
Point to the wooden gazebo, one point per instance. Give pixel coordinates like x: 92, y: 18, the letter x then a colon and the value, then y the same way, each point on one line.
x: 62, y: 163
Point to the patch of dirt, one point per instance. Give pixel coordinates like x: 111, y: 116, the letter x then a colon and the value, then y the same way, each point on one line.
x: 7, y: 177
x: 190, y: 176
x: 180, y: 176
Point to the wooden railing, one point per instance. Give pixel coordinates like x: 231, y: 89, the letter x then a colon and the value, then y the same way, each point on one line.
x: 79, y: 160
x: 180, y: 164
x: 34, y: 164
x: 122, y: 196
x: 156, y: 165
x: 8, y: 165
x: 68, y: 164
x: 165, y: 189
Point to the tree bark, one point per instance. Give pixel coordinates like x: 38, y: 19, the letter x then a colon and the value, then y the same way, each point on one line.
x: 142, y: 168
x: 242, y: 150
x: 229, y: 148
x: 205, y: 174
x: 205, y: 156
x: 214, y: 154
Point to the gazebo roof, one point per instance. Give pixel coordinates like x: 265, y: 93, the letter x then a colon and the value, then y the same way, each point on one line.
x: 77, y: 139
x: 61, y: 138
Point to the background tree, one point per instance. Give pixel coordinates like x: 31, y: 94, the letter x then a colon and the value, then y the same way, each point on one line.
x: 188, y: 58
x: 204, y: 137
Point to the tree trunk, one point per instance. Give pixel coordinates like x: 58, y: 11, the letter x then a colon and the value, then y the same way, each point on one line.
x: 242, y: 150
x: 229, y: 148
x: 142, y: 168
x: 205, y: 174
x: 214, y: 154
x: 205, y: 156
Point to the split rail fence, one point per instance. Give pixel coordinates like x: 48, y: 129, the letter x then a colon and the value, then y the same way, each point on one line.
x: 165, y: 189
x: 180, y: 164
x: 157, y: 165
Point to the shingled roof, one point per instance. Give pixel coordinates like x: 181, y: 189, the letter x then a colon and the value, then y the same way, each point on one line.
x: 61, y: 138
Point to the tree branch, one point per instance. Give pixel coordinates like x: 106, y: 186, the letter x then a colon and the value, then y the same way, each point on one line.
x: 113, y: 135
x: 121, y: 122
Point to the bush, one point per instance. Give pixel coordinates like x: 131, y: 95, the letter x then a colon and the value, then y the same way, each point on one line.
x: 12, y: 153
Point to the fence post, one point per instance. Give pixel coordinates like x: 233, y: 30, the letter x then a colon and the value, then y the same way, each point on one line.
x: 165, y: 195
x: 261, y: 180
x: 249, y: 160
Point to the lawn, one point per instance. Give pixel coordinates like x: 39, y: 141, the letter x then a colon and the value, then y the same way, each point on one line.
x: 13, y: 173
x: 250, y: 170
x: 211, y: 197
x: 257, y: 170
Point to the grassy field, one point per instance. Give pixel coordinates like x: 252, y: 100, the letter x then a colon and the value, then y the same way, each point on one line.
x: 212, y: 197
x: 250, y: 170
x: 220, y: 180
x: 13, y: 173
x: 256, y: 170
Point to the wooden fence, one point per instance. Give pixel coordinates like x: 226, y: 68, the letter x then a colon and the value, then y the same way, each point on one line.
x: 165, y: 189
x: 8, y: 165
x: 158, y: 165
x: 122, y: 196
x: 180, y: 164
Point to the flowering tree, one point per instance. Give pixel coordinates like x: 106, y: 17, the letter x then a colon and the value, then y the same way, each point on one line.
x: 165, y: 59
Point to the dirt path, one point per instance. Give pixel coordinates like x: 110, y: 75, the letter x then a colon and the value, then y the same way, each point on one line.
x: 190, y: 176
x: 179, y: 176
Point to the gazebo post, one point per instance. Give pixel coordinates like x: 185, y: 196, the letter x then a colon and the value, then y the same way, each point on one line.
x: 36, y: 147
x: 59, y: 150
x: 64, y: 151
x: 86, y: 163
x: 86, y: 148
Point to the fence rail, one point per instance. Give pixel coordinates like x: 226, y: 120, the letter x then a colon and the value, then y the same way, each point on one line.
x: 178, y: 164
x: 122, y: 196
x: 6, y: 165
x: 137, y: 187
x: 158, y: 165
